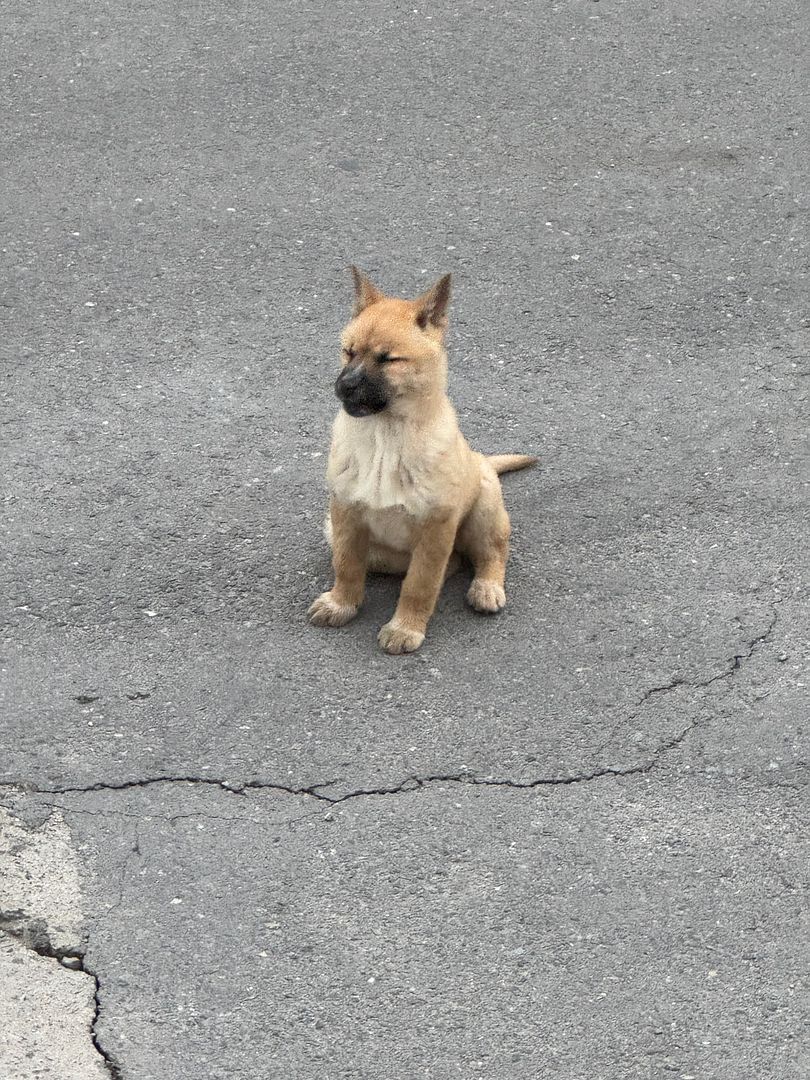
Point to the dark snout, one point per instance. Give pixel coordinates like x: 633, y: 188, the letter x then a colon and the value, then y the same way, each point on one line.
x: 362, y: 394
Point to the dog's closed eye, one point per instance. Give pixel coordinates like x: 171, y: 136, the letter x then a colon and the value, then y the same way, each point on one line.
x: 386, y: 358
x: 350, y: 353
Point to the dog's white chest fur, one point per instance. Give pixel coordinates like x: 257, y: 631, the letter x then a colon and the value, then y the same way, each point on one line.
x: 378, y: 466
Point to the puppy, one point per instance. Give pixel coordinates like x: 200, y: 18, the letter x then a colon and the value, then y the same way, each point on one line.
x: 407, y: 494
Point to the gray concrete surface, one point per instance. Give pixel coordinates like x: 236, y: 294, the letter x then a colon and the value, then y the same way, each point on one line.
x: 568, y: 842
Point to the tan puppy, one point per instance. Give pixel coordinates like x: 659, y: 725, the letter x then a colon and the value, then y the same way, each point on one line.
x: 407, y: 492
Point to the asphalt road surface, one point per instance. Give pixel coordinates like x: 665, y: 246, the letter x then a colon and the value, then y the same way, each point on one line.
x: 568, y: 842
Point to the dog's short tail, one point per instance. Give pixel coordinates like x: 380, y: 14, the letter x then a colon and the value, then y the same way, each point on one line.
x: 502, y: 463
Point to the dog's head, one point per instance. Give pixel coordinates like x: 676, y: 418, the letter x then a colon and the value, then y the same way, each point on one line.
x: 393, y: 353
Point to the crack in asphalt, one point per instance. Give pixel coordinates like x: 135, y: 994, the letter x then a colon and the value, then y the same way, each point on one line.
x: 233, y: 787
x: 110, y: 1063
x: 414, y: 783
x: 735, y: 663
x: 33, y: 934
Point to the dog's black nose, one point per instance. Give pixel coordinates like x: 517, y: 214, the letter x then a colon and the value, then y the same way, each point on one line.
x: 361, y: 394
x: 350, y: 378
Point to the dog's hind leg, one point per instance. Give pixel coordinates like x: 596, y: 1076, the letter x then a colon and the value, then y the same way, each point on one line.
x: 484, y: 539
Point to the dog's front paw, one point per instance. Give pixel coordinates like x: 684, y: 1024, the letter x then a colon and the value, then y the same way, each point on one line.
x: 326, y: 612
x: 486, y: 596
x: 396, y: 639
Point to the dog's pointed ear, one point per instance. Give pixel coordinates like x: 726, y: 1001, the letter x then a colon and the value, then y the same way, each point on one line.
x: 364, y: 292
x: 431, y: 309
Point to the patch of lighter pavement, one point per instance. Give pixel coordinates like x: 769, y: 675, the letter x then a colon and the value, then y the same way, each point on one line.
x: 47, y: 1001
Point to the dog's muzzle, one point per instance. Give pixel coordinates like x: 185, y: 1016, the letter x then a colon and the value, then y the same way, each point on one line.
x: 361, y: 393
